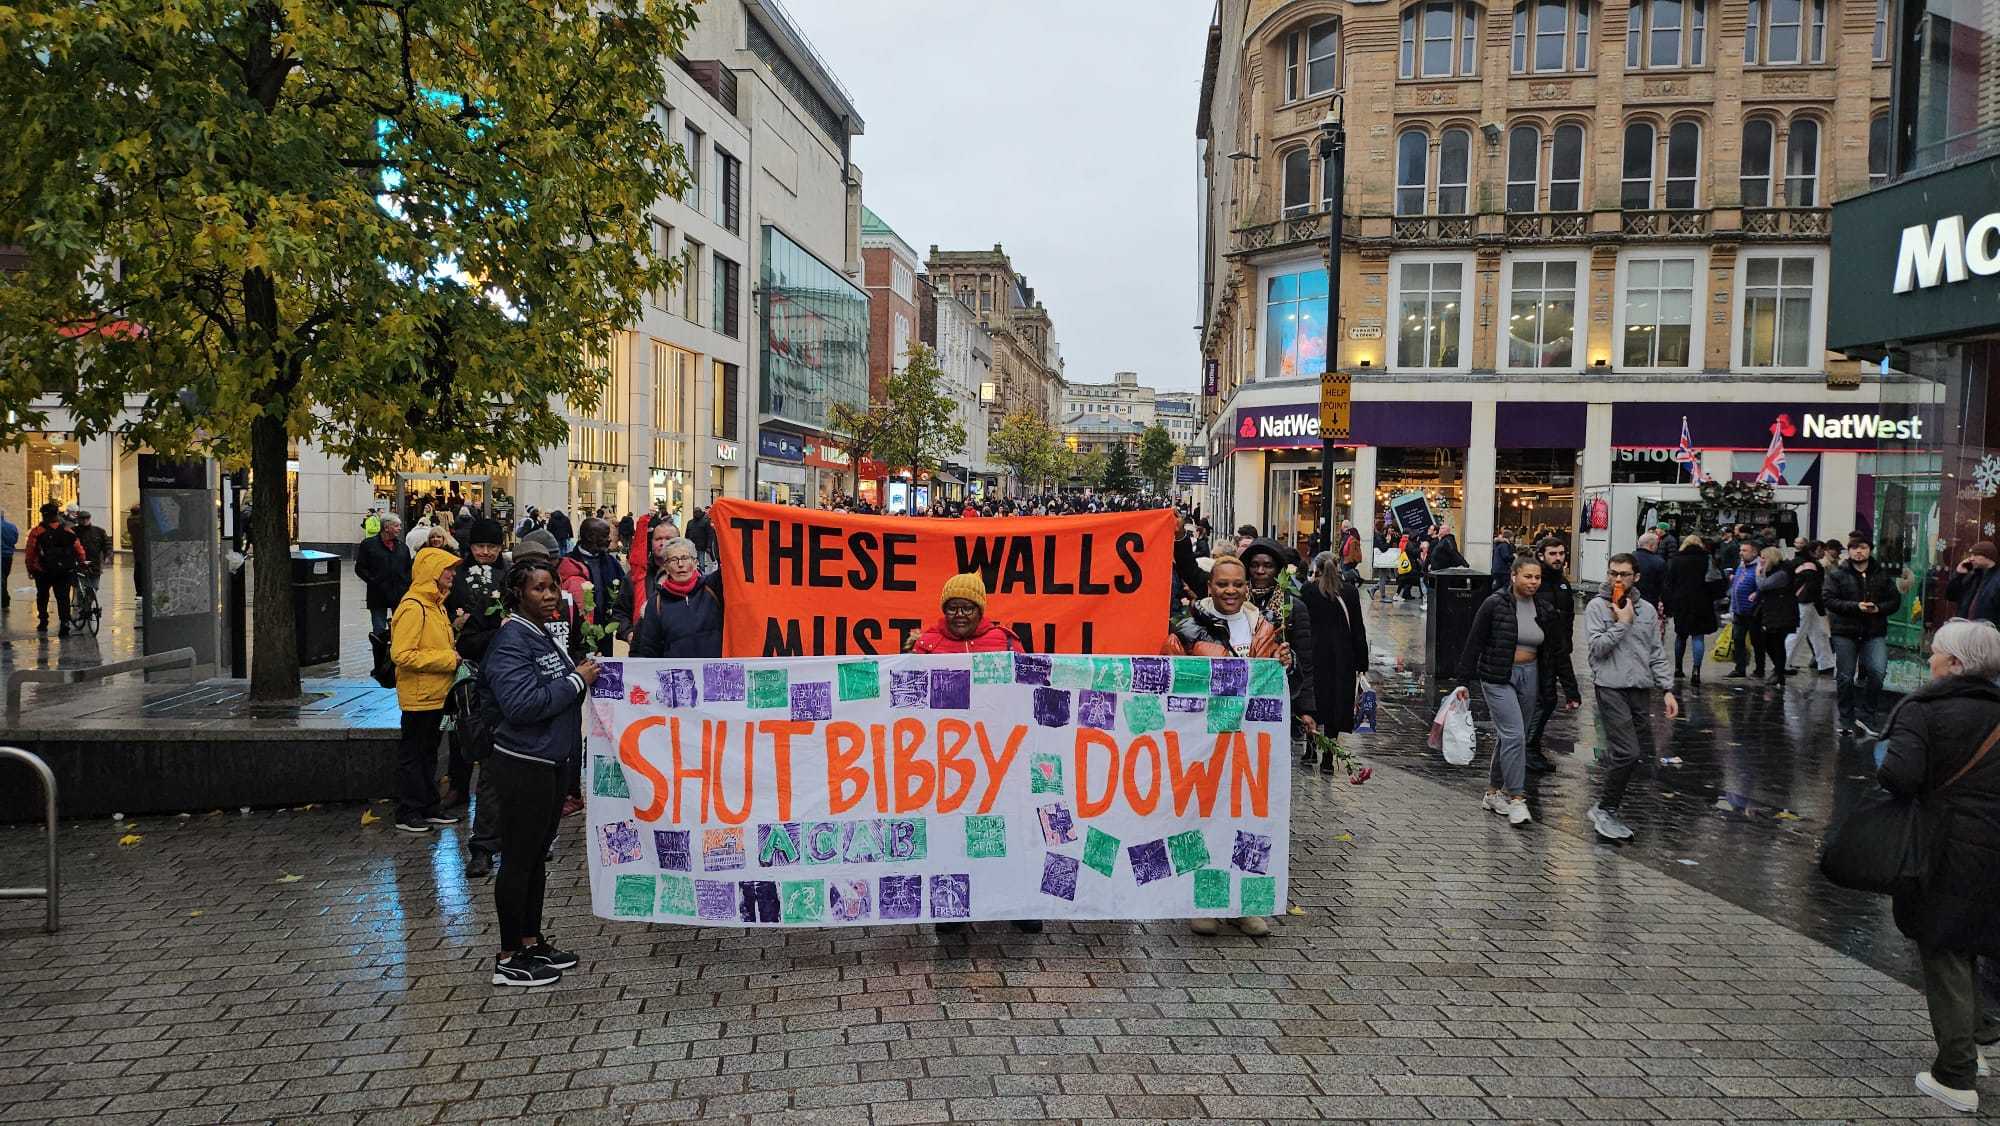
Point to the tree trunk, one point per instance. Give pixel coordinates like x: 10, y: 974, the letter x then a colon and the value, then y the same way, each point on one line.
x: 274, y: 650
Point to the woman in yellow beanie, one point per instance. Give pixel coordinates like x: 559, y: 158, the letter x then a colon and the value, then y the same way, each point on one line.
x: 965, y: 628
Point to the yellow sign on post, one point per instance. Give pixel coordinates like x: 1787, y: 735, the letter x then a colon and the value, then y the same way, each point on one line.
x: 1336, y: 405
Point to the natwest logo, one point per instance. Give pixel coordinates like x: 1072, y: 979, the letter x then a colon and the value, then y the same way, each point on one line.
x: 1287, y: 426
x: 1852, y: 426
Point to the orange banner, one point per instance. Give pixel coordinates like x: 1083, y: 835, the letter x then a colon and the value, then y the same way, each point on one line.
x: 803, y: 583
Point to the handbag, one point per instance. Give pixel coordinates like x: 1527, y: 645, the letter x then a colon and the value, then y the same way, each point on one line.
x: 384, y: 671
x: 1882, y: 845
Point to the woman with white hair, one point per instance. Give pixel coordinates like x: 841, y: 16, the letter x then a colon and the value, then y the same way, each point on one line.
x: 1941, y: 750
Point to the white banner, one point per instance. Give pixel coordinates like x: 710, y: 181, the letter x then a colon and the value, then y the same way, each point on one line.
x: 843, y: 791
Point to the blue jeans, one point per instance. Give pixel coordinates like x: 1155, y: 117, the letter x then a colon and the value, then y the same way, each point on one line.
x: 1859, y: 665
x: 378, y: 620
x: 1680, y: 647
x: 1511, y: 704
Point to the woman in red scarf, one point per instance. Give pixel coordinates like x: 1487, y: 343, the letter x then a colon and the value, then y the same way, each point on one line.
x: 683, y: 612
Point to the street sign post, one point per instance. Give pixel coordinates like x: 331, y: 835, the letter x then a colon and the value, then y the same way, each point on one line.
x: 1336, y: 405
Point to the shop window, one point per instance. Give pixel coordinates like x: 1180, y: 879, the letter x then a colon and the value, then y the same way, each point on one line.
x: 1440, y: 39
x: 1551, y: 35
x: 1413, y: 151
x: 1312, y: 59
x: 1636, y: 194
x: 1667, y: 33
x: 1524, y: 158
x: 1878, y: 150
x: 1754, y: 179
x: 1297, y: 167
x: 1454, y: 170
x: 1541, y: 320
x: 1776, y: 318
x: 1430, y: 314
x: 1802, y: 163
x: 1566, y: 169
x: 1294, y: 339
x: 1657, y: 312
x: 1784, y: 32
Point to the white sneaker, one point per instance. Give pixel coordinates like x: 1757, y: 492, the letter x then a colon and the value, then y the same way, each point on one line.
x: 1256, y: 926
x: 1494, y: 801
x: 1204, y: 926
x: 1608, y: 825
x: 1517, y: 812
x: 1966, y: 1102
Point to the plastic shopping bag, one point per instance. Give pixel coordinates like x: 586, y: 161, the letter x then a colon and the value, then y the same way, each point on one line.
x: 1451, y: 730
x: 1364, y: 707
x: 1724, y: 648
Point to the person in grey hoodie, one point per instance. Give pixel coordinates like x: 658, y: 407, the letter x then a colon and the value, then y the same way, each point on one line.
x: 1628, y: 664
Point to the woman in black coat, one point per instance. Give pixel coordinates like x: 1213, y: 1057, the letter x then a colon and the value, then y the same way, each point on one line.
x: 1690, y: 602
x: 1941, y: 752
x: 683, y: 615
x: 1777, y: 606
x: 1340, y: 651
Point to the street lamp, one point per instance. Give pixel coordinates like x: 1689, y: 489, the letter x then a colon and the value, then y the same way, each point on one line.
x: 1333, y: 164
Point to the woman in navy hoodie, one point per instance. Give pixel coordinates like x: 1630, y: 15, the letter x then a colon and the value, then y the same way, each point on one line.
x: 531, y: 686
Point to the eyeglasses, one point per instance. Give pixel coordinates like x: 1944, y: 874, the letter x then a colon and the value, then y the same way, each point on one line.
x: 1621, y: 574
x: 680, y: 558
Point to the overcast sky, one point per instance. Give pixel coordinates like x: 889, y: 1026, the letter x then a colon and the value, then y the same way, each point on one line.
x: 1063, y: 129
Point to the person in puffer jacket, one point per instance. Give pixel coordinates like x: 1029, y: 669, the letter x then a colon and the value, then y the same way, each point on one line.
x: 965, y: 628
x: 422, y: 643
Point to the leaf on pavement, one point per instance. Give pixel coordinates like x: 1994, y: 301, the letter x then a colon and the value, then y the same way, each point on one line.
x: 1344, y: 838
x: 196, y: 913
x: 288, y: 878
x: 1295, y: 909
x: 1787, y: 815
x: 129, y: 839
x: 368, y: 818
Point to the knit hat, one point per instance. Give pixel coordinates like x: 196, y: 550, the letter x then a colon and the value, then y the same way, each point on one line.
x: 486, y: 531
x: 536, y: 543
x: 1985, y: 549
x: 968, y: 586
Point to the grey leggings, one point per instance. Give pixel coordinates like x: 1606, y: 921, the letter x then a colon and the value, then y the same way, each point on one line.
x: 1511, y: 704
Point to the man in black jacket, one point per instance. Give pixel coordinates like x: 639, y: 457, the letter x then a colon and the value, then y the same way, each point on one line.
x: 1859, y: 596
x: 1557, y: 600
x: 384, y: 566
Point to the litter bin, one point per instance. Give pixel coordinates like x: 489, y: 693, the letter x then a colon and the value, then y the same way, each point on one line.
x: 316, y: 605
x: 1456, y: 593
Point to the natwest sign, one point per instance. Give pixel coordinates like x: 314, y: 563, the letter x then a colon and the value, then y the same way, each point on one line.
x: 1875, y: 426
x: 1277, y: 426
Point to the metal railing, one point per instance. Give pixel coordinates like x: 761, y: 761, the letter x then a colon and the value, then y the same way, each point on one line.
x: 21, y: 678
x: 48, y: 891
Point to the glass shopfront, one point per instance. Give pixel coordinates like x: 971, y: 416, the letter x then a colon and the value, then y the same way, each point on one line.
x: 1439, y: 474
x: 814, y: 339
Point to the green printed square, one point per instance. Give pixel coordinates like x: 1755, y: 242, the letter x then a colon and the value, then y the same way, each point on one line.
x: 676, y: 895
x: 1225, y: 713
x: 1143, y: 714
x: 1190, y: 676
x: 993, y: 668
x: 860, y: 680
x: 1111, y: 674
x: 801, y: 901
x: 919, y: 844
x: 1045, y: 773
x: 1189, y: 851
x: 1260, y: 895
x: 1100, y: 850
x: 607, y: 778
x: 1069, y: 672
x: 1211, y: 890
x: 1267, y: 678
x: 985, y: 837
x: 770, y: 688
x: 632, y: 897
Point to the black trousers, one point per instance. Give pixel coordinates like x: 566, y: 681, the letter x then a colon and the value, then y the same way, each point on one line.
x: 6, y: 580
x: 458, y: 768
x: 60, y: 584
x: 1748, y: 639
x: 416, y: 767
x: 1771, y: 645
x: 1557, y: 680
x: 531, y: 795
x: 1960, y: 1018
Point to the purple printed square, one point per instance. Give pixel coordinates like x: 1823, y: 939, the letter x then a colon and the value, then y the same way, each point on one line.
x: 677, y: 689
x: 812, y: 700
x: 1264, y: 709
x: 1149, y: 861
x: 1252, y: 853
x: 1059, y: 876
x: 610, y: 681
x: 1097, y: 709
x: 951, y: 896
x: 1228, y: 677
x: 672, y: 845
x: 1052, y: 707
x: 909, y: 688
x: 900, y: 897
x: 1152, y: 674
x: 951, y: 688
x: 618, y: 843
x: 715, y: 899
x: 1189, y: 704
x: 1031, y: 668
x: 722, y: 681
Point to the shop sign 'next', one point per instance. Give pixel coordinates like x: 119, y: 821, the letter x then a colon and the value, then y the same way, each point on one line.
x: 1943, y: 252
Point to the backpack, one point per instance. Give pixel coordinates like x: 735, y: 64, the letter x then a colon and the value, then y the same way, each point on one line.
x: 55, y: 550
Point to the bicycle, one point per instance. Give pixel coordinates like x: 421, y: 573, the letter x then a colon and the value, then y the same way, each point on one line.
x: 84, y: 611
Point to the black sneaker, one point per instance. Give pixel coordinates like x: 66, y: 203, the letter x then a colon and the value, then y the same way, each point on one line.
x: 42, y: 627
x: 523, y: 972
x: 952, y: 928
x: 412, y: 827
x: 1309, y: 758
x: 441, y: 819
x: 1863, y: 727
x: 1328, y: 766
x: 479, y: 865
x: 549, y: 956
x: 1028, y: 926
x: 1540, y: 763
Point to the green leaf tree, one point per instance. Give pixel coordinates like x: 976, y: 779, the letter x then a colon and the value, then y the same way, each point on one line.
x: 920, y: 424
x: 383, y: 227
x: 857, y: 432
x: 1157, y: 454
x: 1117, y: 477
x: 1027, y: 447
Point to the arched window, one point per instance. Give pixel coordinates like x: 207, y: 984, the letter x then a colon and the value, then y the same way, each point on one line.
x: 1440, y: 39
x: 1802, y: 164
x: 1754, y: 180
x: 1413, y: 150
x: 1878, y: 150
x: 1667, y: 33
x: 1312, y: 60
x: 1636, y: 192
x: 1778, y: 32
x: 1524, y: 160
x: 1566, y: 169
x: 1551, y: 35
x: 1454, y: 171
x: 1683, y: 164
x: 1298, y: 182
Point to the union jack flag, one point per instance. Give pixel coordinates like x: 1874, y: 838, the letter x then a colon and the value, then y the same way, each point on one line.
x: 1689, y: 456
x: 1773, y: 472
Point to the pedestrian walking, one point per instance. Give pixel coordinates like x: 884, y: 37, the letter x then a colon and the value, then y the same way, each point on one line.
x: 1556, y: 687
x: 422, y: 645
x: 55, y: 555
x: 1777, y: 608
x: 562, y: 530
x: 1628, y: 663
x: 1743, y: 611
x: 1809, y: 569
x: 1508, y: 632
x: 536, y: 691
x: 682, y: 616
x: 1339, y: 640
x: 1859, y: 598
x: 1975, y: 585
x: 1503, y: 554
x: 1691, y: 603
x: 1940, y: 753
x: 701, y: 533
x: 10, y: 538
x: 1652, y: 570
x: 384, y: 569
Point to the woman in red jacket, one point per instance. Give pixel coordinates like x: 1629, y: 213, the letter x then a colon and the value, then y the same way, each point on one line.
x: 965, y: 628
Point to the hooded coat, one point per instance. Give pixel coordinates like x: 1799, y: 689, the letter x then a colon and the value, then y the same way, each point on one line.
x: 420, y: 636
x: 1934, y: 732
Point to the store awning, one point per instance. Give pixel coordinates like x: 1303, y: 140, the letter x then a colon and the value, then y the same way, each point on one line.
x: 947, y: 478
